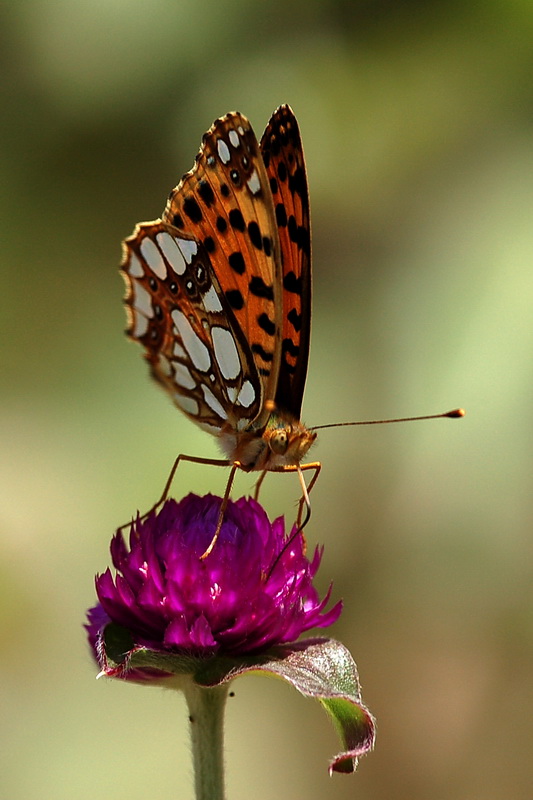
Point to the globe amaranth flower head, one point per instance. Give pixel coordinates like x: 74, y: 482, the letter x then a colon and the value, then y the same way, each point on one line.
x: 252, y: 591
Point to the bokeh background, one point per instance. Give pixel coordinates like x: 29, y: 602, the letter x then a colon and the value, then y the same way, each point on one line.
x: 417, y: 121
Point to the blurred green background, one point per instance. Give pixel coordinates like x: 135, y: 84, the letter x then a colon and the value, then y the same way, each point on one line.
x: 417, y: 122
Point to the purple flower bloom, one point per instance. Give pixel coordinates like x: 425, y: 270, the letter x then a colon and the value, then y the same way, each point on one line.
x: 250, y: 593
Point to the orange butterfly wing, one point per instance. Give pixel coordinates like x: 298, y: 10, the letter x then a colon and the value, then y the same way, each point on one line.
x: 226, y: 201
x: 282, y: 150
x: 219, y: 289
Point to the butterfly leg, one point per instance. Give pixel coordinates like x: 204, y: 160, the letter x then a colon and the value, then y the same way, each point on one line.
x: 316, y: 466
x: 259, y: 483
x: 304, y: 501
x: 214, y: 462
x: 235, y: 466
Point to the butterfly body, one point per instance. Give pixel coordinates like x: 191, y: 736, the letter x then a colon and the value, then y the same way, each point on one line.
x: 219, y: 292
x: 281, y: 443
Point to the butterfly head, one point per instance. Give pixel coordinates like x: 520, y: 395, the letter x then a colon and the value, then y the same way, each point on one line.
x: 288, y: 441
x: 283, y: 441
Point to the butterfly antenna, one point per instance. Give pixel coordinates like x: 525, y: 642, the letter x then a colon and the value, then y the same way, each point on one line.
x: 455, y: 414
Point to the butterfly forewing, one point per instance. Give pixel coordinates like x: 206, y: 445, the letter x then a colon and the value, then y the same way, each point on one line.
x: 282, y: 151
x: 178, y: 311
x: 227, y: 200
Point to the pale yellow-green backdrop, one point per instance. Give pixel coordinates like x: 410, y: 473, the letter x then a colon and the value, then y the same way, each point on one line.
x: 417, y: 121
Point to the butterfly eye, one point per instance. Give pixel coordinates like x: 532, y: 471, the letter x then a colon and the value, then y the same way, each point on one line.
x: 279, y: 442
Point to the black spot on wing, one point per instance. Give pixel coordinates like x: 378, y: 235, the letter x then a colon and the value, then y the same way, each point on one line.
x: 295, y: 319
x: 289, y: 347
x: 255, y: 235
x: 292, y: 284
x: 281, y: 215
x: 206, y: 193
x: 293, y: 229
x: 259, y: 288
x: 267, y: 245
x: 236, y: 262
x: 192, y: 209
x: 236, y: 220
x: 299, y: 235
x: 235, y: 299
x: 264, y: 354
x: 266, y: 324
x: 298, y: 184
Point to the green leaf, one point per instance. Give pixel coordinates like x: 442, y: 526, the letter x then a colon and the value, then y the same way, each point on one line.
x: 319, y: 668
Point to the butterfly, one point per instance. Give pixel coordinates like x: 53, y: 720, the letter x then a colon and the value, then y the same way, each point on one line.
x: 218, y: 292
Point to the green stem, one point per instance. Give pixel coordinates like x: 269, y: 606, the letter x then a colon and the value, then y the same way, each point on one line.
x: 206, y: 716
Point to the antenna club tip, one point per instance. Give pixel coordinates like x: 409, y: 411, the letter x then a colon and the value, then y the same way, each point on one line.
x: 456, y: 413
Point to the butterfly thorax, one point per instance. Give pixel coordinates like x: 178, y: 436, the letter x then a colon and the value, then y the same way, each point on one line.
x: 282, y: 442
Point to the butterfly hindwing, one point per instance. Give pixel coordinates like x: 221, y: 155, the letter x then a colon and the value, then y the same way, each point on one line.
x: 195, y: 348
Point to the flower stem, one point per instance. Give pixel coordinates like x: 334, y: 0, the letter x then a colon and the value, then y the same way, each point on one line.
x: 206, y: 716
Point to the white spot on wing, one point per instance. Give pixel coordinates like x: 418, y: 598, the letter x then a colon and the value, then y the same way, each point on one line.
x: 142, y: 300
x: 134, y: 268
x: 213, y: 403
x: 223, y: 151
x: 178, y: 350
x: 211, y: 300
x: 187, y: 404
x: 140, y: 325
x: 226, y: 352
x: 198, y: 352
x: 234, y: 138
x: 253, y: 183
x: 153, y: 258
x: 232, y: 393
x: 164, y: 364
x: 246, y: 395
x: 188, y: 248
x: 171, y: 251
x: 209, y: 428
x: 183, y: 376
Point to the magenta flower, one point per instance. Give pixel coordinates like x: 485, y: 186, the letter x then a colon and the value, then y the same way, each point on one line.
x: 196, y: 624
x: 250, y: 593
